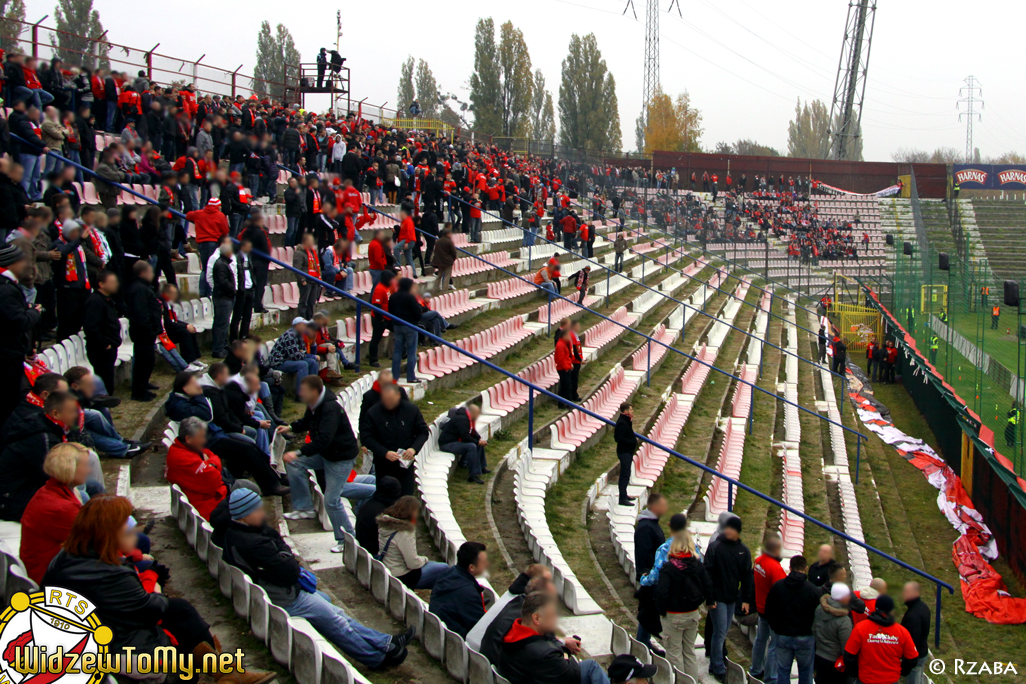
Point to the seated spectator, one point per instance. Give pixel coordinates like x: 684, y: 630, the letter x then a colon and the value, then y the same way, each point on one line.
x: 457, y: 598
x: 387, y: 493
x: 531, y: 653
x: 258, y: 550
x: 486, y: 636
x: 237, y: 452
x: 459, y: 436
x: 626, y: 669
x: 194, y: 468
x: 186, y: 354
x: 241, y: 392
x: 394, y: 430
x: 331, y: 447
x: 336, y: 268
x: 397, y: 544
x: 328, y: 347
x: 221, y: 517
x: 98, y: 425
x: 26, y: 444
x: 291, y: 352
x: 431, y: 320
x: 53, y: 508
x: 243, y: 353
x: 92, y: 564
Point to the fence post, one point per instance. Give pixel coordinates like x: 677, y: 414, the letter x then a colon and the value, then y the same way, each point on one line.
x: 359, y: 318
x: 751, y: 408
x: 648, y: 372
x: 530, y: 418
x: 548, y: 329
x: 858, y: 456
x: 609, y: 274
x: 937, y: 626
x: 730, y: 495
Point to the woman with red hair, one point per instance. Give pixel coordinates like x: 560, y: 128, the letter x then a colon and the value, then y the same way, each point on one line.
x: 93, y: 565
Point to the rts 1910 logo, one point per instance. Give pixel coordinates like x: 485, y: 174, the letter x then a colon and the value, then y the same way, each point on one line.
x: 971, y: 176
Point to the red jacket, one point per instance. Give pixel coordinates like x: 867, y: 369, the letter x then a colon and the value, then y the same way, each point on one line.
x: 45, y: 525
x: 407, y: 231
x: 564, y: 356
x: 569, y: 224
x: 352, y: 198
x: 376, y: 256
x: 379, y: 298
x: 880, y: 649
x: 211, y: 224
x: 767, y: 572
x: 199, y: 477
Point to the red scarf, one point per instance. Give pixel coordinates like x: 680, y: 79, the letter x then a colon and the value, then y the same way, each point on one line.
x: 71, y: 265
x: 313, y: 264
x: 316, y: 207
x: 97, y: 245
x: 33, y: 399
x: 62, y: 426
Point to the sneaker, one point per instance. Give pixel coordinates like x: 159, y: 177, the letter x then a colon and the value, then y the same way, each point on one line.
x: 105, y: 401
x: 475, y: 480
x: 137, y: 449
x: 338, y: 548
x: 196, y: 367
x: 658, y: 651
x: 301, y: 515
x: 393, y: 658
x: 485, y: 471
x: 402, y: 640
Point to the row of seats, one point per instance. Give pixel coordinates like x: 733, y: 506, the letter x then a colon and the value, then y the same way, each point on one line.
x: 452, y: 304
x: 575, y: 428
x: 792, y: 527
x: 510, y: 288
x: 509, y: 395
x: 465, y: 266
x: 443, y: 360
x: 606, y: 331
x: 651, y: 354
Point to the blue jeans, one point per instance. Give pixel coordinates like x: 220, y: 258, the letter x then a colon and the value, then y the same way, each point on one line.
x: 103, y: 434
x: 802, y: 649
x: 206, y: 250
x: 473, y: 455
x: 430, y: 573
x: 375, y: 277
x: 173, y: 358
x: 30, y: 179
x: 720, y: 615
x: 307, y: 366
x: 593, y: 673
x: 335, y: 475
x: 548, y: 285
x: 405, y: 343
x: 403, y: 247
x: 475, y: 229
x: 433, y: 322
x: 643, y: 636
x: 112, y: 110
x: 292, y: 228
x: 364, y: 644
x: 359, y: 490
x: 764, y: 653
x: 40, y: 97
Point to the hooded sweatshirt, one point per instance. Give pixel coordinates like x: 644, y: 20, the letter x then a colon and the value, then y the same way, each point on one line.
x: 387, y: 493
x: 684, y: 585
x: 879, y: 651
x: 397, y: 539
x: 791, y: 605
x: 532, y: 658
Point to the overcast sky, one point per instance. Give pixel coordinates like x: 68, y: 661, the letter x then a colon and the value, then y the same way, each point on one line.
x: 744, y: 62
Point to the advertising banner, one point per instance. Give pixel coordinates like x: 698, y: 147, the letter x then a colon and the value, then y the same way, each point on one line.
x: 990, y: 176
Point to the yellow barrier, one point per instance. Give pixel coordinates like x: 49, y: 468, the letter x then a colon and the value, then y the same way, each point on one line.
x: 858, y: 324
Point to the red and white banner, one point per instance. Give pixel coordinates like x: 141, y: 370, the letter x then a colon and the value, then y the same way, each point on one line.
x: 889, y: 191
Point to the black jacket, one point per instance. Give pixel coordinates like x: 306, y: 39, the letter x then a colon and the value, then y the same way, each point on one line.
x: 458, y: 428
x: 730, y: 567
x: 648, y: 537
x: 100, y: 322
x: 262, y: 554
x: 293, y: 203
x: 117, y: 592
x: 405, y: 307
x: 12, y: 210
x: 791, y: 605
x: 623, y: 435
x: 537, y: 659
x: 17, y: 321
x: 917, y: 621
x: 238, y: 399
x: 387, y: 493
x: 382, y: 431
x: 144, y: 314
x: 27, y: 437
x: 224, y: 281
x: 224, y: 417
x: 372, y: 397
x: 331, y: 435
x: 457, y: 600
x: 684, y: 585
x: 820, y: 574
x: 29, y: 142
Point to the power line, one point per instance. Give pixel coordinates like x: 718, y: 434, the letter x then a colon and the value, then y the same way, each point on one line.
x: 971, y: 94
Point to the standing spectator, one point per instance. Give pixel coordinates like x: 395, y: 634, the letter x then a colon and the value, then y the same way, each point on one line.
x: 564, y: 365
x: 331, y: 447
x: 460, y: 437
x: 386, y: 493
x: 620, y: 245
x: 291, y: 354
x: 194, y: 468
x: 103, y: 328
x: 767, y: 571
x: 872, y: 363
x: 19, y: 320
x: 822, y: 358
x: 407, y: 237
x: 225, y: 282
x: 307, y: 260
x: 442, y: 260
x: 377, y: 260
x: 394, y: 430
x: 29, y: 148
x: 72, y: 278
x: 256, y: 233
x: 626, y: 445
x: 144, y: 325
x: 684, y: 585
x: 242, y: 311
x: 832, y: 627
x: 729, y: 564
x: 457, y: 598
x: 917, y: 621
x: 397, y: 544
x: 293, y: 211
x: 210, y: 226
x: 790, y: 609
x: 405, y: 312
x: 880, y: 651
x: 379, y: 323
x: 648, y: 537
x: 840, y: 356
x: 819, y: 572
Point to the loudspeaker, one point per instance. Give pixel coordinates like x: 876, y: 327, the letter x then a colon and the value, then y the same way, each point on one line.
x: 1012, y: 293
x: 890, y: 239
x: 907, y: 249
x: 944, y: 264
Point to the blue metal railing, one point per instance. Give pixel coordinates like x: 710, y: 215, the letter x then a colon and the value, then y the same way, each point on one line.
x: 541, y: 391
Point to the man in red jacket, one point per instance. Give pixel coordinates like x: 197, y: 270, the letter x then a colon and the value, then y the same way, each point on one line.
x: 378, y: 262
x: 407, y: 238
x: 194, y: 469
x: 879, y: 650
x: 211, y: 225
x: 766, y: 572
x: 379, y: 298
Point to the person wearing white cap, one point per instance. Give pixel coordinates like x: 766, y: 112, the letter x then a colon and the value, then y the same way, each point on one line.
x: 289, y: 353
x: 210, y: 225
x: 831, y: 627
